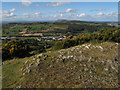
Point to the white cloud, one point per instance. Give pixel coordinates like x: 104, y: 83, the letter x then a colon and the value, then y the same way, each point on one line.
x: 31, y: 14
x: 100, y: 9
x: 54, y: 4
x: 115, y: 14
x: 6, y: 14
x: 37, y: 13
x: 70, y: 10
x: 12, y: 10
x: 100, y: 13
x: 110, y: 16
x: 26, y: 2
x: 82, y: 15
x: 11, y: 14
x: 61, y: 14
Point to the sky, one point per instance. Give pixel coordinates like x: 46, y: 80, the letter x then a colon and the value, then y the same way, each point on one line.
x: 50, y: 11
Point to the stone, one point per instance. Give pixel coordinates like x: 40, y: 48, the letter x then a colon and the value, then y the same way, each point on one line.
x: 37, y: 64
x: 22, y: 69
x: 29, y: 71
x: 40, y: 55
x: 106, y: 69
x: 18, y: 86
x: 38, y: 61
x: 45, y: 55
x: 23, y: 73
x: 30, y: 64
x: 27, y: 61
x: 34, y: 58
x: 27, y: 68
x: 87, y: 47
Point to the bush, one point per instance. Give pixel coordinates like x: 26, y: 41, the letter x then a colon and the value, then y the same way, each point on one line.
x: 14, y: 48
x: 100, y: 36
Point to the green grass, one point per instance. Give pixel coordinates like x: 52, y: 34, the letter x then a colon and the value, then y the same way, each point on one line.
x: 11, y: 72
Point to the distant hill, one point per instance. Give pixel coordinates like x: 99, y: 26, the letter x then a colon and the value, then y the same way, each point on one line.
x: 72, y: 21
x: 108, y: 23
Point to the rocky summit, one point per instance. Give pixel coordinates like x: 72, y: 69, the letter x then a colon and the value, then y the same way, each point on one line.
x: 83, y: 66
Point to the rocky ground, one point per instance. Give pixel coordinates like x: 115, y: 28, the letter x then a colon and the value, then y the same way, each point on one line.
x: 87, y: 65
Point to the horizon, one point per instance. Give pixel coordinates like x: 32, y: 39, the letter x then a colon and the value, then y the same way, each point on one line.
x: 50, y: 21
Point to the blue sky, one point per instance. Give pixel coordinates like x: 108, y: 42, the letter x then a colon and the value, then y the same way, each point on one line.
x: 43, y: 11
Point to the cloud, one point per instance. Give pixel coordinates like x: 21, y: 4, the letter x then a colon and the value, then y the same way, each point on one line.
x: 54, y: 4
x: 12, y: 10
x: 61, y: 15
x: 26, y: 2
x: 114, y: 14
x: 31, y: 14
x: 6, y: 14
x: 37, y: 13
x: 11, y: 14
x: 70, y: 10
x: 110, y: 16
x: 101, y: 9
x: 82, y: 15
x: 100, y: 13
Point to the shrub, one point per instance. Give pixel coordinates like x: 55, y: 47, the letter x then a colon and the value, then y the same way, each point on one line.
x: 100, y: 36
x: 14, y: 48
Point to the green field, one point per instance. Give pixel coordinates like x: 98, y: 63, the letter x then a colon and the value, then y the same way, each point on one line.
x: 14, y: 29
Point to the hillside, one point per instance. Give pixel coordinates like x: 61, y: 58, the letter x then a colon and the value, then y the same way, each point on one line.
x: 87, y: 65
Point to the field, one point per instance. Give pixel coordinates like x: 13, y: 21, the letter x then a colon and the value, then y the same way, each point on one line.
x: 19, y: 29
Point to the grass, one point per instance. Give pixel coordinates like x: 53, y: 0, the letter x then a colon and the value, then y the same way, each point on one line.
x: 58, y: 74
x: 11, y: 72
